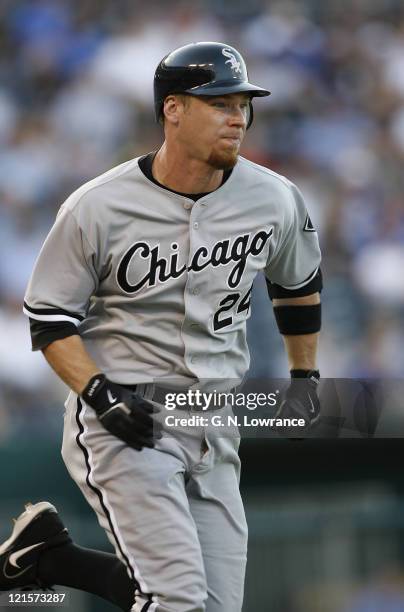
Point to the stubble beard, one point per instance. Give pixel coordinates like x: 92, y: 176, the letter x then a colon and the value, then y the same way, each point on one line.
x: 223, y: 160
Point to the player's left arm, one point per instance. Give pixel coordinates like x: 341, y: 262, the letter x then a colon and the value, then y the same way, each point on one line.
x: 294, y: 315
x: 301, y: 349
x: 294, y: 282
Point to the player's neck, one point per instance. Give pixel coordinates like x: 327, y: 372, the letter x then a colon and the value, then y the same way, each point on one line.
x: 178, y: 172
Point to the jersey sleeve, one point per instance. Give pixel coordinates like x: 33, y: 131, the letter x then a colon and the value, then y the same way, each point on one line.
x: 296, y: 258
x: 44, y: 333
x: 64, y: 276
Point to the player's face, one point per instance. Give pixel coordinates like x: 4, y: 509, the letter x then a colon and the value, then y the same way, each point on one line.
x: 213, y: 128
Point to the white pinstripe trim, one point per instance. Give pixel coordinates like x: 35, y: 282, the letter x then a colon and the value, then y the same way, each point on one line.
x: 103, y: 492
x: 300, y: 285
x: 51, y: 318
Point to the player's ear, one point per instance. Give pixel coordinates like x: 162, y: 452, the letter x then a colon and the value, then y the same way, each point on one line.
x: 174, y: 107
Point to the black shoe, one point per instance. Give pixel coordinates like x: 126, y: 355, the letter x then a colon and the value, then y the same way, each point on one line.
x: 35, y: 530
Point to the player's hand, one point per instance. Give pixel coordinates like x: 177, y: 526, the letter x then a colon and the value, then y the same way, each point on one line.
x: 123, y: 413
x: 301, y: 402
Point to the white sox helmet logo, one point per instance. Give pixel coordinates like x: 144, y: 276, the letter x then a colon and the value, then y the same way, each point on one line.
x: 234, y: 64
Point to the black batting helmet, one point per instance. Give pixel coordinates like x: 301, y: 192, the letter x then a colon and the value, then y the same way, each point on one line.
x: 203, y: 69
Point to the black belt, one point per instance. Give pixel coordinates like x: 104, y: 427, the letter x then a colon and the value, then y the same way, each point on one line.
x: 157, y: 393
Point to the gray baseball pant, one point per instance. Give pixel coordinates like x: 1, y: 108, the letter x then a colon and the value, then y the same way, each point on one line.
x: 173, y: 513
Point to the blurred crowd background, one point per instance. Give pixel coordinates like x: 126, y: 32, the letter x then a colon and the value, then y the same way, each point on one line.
x: 76, y: 99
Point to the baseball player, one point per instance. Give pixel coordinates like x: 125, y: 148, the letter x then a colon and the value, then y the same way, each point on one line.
x: 144, y: 284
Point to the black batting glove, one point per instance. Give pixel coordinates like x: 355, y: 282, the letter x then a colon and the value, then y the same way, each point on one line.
x: 122, y: 412
x: 300, y: 401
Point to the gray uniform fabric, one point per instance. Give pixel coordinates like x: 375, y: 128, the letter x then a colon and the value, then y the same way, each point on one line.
x: 159, y: 284
x: 174, y: 513
x: 159, y: 288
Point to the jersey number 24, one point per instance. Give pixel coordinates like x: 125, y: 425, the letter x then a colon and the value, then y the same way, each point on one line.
x: 221, y: 320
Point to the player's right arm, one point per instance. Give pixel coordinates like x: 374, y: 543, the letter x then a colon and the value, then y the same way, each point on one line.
x: 65, y: 277
x: 71, y: 362
x: 123, y: 413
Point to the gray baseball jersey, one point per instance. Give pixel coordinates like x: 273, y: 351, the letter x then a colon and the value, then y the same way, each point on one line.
x: 159, y: 285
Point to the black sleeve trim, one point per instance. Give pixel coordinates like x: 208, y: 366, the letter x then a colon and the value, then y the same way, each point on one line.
x: 279, y: 292
x: 52, y: 311
x: 44, y: 333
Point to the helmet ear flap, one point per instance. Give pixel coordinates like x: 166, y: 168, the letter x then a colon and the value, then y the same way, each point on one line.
x: 250, y: 114
x: 159, y: 113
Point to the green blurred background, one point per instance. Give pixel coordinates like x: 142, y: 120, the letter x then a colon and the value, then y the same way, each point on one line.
x: 326, y: 519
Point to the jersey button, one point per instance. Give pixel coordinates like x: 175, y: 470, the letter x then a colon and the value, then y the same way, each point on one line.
x: 187, y: 205
x: 195, y: 291
x: 194, y: 359
x: 196, y: 225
